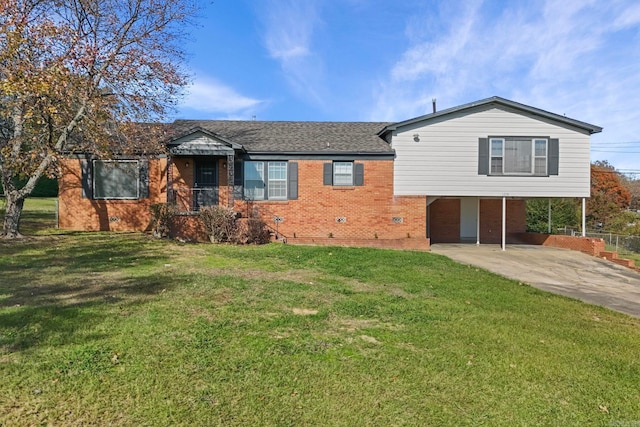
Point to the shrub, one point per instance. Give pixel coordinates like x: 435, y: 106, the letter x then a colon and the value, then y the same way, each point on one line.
x: 219, y: 223
x: 252, y: 230
x: 161, y: 215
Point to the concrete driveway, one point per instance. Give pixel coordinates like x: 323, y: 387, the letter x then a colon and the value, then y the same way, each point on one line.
x: 560, y: 271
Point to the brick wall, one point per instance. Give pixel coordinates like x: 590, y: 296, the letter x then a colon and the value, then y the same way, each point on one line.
x: 444, y: 221
x: 78, y: 213
x: 368, y: 211
x: 491, y: 220
x: 587, y: 245
x: 444, y: 216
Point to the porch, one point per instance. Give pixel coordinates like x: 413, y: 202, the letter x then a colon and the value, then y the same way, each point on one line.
x: 194, y: 182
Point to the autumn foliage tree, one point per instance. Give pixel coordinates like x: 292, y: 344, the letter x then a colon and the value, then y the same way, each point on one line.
x: 609, y: 196
x: 79, y: 75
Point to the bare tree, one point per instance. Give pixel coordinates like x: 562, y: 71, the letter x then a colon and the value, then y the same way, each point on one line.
x: 79, y: 75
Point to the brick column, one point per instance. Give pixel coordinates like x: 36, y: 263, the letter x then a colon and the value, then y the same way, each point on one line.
x: 230, y: 179
x: 170, y: 196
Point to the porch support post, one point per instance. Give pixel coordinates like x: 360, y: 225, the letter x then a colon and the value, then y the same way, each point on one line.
x: 170, y: 196
x: 549, y: 218
x: 478, y: 222
x: 504, y: 223
x: 584, y: 217
x: 230, y: 179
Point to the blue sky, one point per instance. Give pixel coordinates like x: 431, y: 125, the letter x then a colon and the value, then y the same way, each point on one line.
x: 384, y: 60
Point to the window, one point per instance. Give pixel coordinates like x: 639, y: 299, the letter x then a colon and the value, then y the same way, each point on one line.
x: 277, y: 180
x: 518, y: 156
x: 270, y: 180
x: 342, y: 173
x: 116, y: 179
x: 540, y: 157
x: 254, y: 180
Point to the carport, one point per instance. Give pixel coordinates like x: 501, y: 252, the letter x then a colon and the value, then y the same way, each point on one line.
x: 479, y: 220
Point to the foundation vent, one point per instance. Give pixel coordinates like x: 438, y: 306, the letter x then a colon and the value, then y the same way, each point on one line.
x: 341, y: 219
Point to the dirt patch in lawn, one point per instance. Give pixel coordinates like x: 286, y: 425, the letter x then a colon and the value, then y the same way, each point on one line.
x: 304, y: 311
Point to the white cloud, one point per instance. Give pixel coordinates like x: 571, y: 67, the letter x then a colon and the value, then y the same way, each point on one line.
x: 289, y: 27
x: 630, y: 17
x: 207, y: 95
x: 573, y: 57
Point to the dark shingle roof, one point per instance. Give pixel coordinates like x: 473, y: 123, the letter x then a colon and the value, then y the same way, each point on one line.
x: 292, y: 137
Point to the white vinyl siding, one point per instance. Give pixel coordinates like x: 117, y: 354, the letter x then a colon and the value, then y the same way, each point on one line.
x: 444, y: 162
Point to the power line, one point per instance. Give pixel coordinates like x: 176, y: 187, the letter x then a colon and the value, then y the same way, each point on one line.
x: 615, y: 143
x: 614, y: 151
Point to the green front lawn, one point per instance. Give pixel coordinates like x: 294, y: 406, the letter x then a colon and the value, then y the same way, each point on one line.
x: 122, y: 329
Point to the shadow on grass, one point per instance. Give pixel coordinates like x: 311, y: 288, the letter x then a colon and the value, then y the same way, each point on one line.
x: 59, y: 314
x: 77, y: 255
x: 54, y: 290
x: 33, y: 222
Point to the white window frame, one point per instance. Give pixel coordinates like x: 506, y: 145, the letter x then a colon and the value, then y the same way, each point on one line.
x: 97, y: 177
x: 337, y: 174
x: 258, y: 190
x: 270, y: 183
x: 277, y: 183
x: 502, y: 158
x: 545, y: 157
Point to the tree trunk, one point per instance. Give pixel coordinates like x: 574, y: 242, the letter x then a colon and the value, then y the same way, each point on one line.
x: 13, y: 211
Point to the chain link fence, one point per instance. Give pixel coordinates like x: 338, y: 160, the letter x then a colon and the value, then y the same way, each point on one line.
x: 618, y: 242
x: 621, y: 243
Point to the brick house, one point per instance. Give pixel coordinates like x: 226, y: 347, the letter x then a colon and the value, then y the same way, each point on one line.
x: 461, y: 174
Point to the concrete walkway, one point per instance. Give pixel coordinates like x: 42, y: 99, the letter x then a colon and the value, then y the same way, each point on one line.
x: 560, y: 271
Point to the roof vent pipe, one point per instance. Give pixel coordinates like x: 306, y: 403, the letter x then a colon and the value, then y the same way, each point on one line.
x: 433, y: 102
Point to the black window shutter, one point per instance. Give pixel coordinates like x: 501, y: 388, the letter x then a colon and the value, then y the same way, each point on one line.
x: 143, y: 176
x: 292, y: 178
x: 553, y: 157
x: 483, y: 156
x: 327, y: 174
x: 358, y: 175
x: 87, y: 181
x: 238, y: 179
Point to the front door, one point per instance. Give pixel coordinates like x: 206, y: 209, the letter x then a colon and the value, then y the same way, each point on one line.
x: 468, y: 219
x: 206, y: 183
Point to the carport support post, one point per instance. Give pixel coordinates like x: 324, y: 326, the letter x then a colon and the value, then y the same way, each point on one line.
x: 478, y: 223
x: 584, y: 217
x: 549, y: 218
x: 504, y: 223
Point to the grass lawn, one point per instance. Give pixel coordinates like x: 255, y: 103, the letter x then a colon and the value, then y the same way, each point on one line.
x: 123, y: 329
